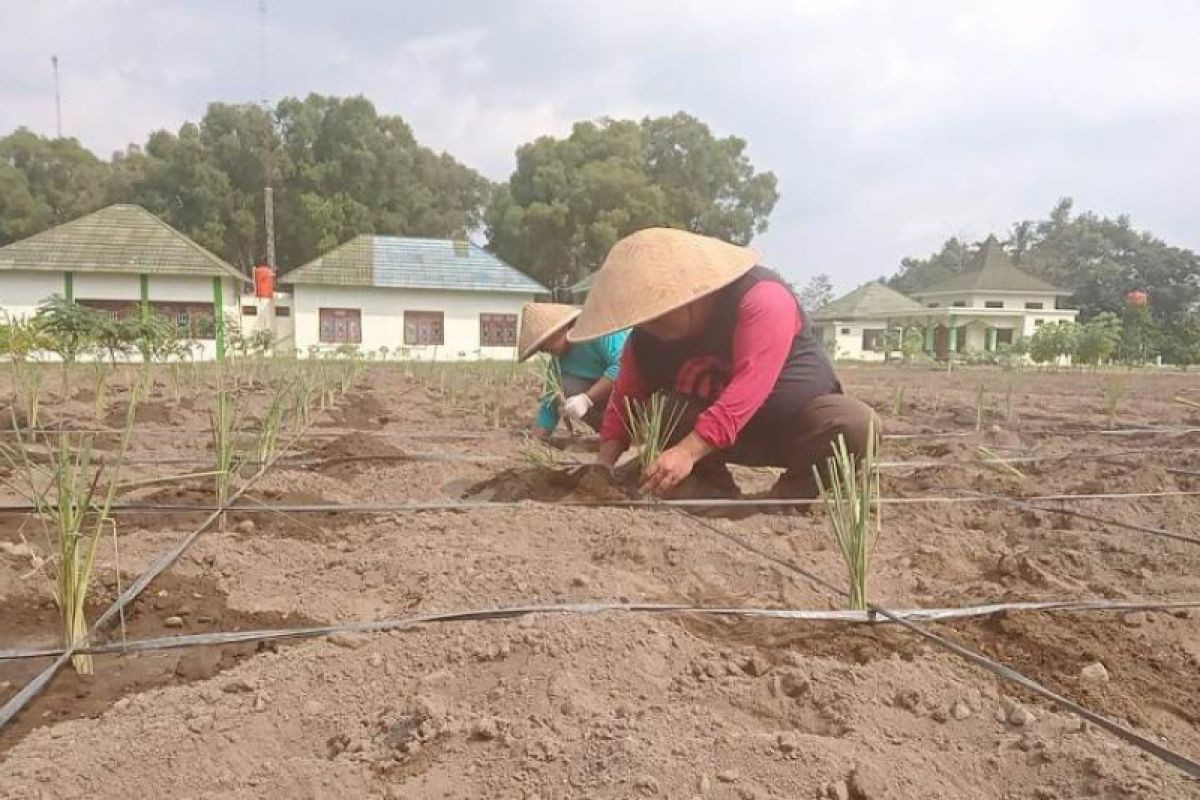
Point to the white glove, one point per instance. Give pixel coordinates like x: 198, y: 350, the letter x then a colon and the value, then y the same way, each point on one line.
x: 577, y: 406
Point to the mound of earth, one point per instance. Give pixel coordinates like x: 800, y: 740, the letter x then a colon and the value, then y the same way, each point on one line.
x: 362, y: 410
x: 550, y: 485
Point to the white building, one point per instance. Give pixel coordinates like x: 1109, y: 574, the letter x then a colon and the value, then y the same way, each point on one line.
x: 427, y: 299
x: 985, y: 307
x: 856, y: 325
x: 124, y: 260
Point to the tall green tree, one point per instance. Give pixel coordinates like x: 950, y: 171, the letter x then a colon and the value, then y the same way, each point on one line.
x: 569, y: 200
x: 45, y: 182
x: 817, y: 293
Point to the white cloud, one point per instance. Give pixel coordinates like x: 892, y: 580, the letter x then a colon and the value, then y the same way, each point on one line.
x: 890, y: 126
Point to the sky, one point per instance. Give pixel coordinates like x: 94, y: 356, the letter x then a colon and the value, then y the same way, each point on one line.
x: 891, y: 126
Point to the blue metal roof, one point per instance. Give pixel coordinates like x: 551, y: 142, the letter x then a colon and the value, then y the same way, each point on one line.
x: 403, y: 262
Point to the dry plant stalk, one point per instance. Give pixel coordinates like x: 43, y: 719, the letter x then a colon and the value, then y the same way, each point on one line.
x: 1113, y: 391
x: 851, y: 502
x: 553, y: 389
x: 650, y: 425
x: 993, y: 461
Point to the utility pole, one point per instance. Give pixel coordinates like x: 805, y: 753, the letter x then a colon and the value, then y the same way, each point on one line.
x: 57, y: 99
x: 269, y: 211
x: 268, y: 192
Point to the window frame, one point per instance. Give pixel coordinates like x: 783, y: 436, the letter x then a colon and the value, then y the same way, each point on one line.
x: 490, y: 321
x: 1033, y: 305
x: 873, y: 340
x: 416, y: 318
x: 352, y: 327
x: 993, y: 304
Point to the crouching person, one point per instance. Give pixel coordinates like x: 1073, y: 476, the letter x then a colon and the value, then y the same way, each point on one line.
x: 727, y: 341
x: 587, y: 370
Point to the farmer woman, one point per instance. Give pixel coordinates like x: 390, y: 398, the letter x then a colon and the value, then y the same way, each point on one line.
x: 727, y: 340
x: 588, y: 370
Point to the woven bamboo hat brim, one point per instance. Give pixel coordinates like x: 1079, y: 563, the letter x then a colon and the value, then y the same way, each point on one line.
x: 540, y: 321
x: 654, y: 271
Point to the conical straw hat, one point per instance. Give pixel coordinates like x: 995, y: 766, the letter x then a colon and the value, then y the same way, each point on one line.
x: 540, y: 321
x: 654, y: 271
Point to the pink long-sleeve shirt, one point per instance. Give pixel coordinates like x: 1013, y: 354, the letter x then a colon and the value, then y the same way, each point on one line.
x: 767, y: 322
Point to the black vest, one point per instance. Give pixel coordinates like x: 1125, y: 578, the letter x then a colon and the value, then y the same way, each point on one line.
x: 701, y: 367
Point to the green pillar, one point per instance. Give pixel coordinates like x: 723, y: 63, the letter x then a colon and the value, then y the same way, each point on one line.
x: 991, y: 340
x: 928, y: 336
x: 144, y: 280
x: 219, y: 317
x: 69, y: 286
x: 953, y: 345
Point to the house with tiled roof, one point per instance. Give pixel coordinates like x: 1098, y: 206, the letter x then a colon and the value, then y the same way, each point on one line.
x: 428, y: 299
x: 124, y: 260
x: 982, y: 309
x: 856, y: 325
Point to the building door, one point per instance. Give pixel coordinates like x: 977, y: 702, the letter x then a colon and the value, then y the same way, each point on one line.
x: 941, y: 342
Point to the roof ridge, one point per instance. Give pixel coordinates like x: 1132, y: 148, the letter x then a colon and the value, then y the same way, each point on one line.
x: 233, y: 271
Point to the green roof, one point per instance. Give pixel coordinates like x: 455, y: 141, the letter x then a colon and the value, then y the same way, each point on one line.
x: 991, y: 271
x: 119, y: 238
x: 869, y: 301
x: 410, y: 263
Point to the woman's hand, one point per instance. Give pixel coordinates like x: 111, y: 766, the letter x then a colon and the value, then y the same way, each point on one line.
x: 668, y: 470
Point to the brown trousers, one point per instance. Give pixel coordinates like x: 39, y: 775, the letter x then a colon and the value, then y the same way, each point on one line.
x: 804, y: 442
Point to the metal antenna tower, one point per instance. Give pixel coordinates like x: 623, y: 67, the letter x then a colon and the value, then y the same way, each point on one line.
x: 58, y: 99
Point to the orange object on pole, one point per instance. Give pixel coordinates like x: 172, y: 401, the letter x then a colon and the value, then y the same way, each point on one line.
x: 264, y: 282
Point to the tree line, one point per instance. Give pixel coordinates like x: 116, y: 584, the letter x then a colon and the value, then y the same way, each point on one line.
x: 339, y: 168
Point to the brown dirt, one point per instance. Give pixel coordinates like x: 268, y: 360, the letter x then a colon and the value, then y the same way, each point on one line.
x: 550, y: 485
x: 202, y: 608
x: 619, y: 706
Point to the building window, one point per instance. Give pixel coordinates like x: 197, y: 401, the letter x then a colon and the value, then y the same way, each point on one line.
x: 424, y: 327
x: 249, y: 311
x: 993, y: 304
x: 872, y: 339
x: 1004, y: 336
x: 497, y: 330
x: 117, y: 309
x: 1037, y: 323
x: 1034, y: 306
x: 931, y: 305
x: 340, y: 325
x: 194, y: 320
x: 845, y: 331
x: 283, y: 311
x: 959, y: 304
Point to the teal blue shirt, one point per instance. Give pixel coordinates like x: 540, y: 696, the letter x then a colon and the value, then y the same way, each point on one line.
x: 590, y: 360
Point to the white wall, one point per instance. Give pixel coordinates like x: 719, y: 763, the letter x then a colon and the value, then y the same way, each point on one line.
x: 848, y: 336
x: 383, y: 318
x: 21, y: 291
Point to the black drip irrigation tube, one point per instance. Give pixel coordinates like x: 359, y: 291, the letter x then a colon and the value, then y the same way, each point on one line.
x: 18, y: 701
x: 1187, y: 765
x: 471, y: 505
x: 841, y: 616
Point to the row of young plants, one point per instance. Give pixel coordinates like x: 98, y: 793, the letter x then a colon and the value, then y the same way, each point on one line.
x: 72, y: 484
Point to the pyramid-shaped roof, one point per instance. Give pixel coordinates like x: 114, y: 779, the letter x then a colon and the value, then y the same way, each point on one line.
x: 991, y: 271
x: 869, y: 301
x: 411, y: 263
x: 119, y: 238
